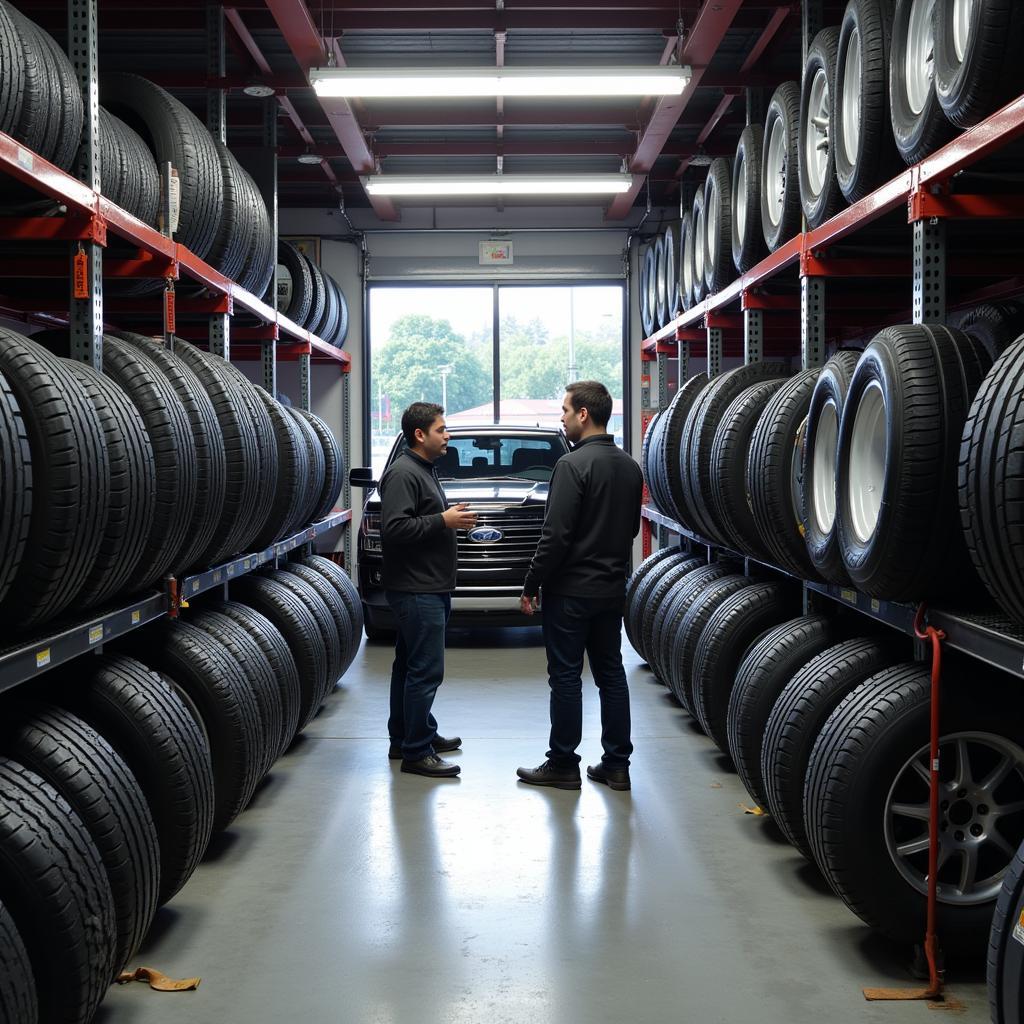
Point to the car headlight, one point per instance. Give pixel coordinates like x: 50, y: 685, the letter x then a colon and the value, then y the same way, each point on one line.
x: 370, y: 530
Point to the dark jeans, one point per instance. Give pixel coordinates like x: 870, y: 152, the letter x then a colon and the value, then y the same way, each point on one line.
x: 573, y: 626
x: 418, y: 669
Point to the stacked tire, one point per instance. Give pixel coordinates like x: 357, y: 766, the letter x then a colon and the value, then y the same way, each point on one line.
x: 309, y: 296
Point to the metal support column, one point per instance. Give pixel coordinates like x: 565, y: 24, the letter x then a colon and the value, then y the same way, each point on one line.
x: 217, y: 122
x: 929, y: 271
x: 753, y: 336
x: 220, y: 335
x: 684, y: 362
x: 714, y: 351
x: 662, y: 380
x: 305, y: 399
x: 812, y: 321
x: 270, y: 109
x: 346, y: 451
x: 86, y: 300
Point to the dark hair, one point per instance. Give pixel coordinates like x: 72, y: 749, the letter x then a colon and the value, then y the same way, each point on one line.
x: 419, y: 416
x: 593, y: 396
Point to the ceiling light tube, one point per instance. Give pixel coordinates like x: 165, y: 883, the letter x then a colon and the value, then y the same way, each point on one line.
x: 419, y: 83
x: 497, y: 184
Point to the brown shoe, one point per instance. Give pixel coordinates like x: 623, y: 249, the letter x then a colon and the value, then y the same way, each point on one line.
x: 613, y: 778
x: 432, y: 766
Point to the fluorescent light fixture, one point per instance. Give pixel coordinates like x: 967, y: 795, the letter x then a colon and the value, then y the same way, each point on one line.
x: 308, y: 158
x: 258, y: 90
x: 418, y: 83
x: 497, y: 184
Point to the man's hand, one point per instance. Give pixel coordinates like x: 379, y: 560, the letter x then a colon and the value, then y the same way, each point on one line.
x: 528, y: 605
x: 459, y: 518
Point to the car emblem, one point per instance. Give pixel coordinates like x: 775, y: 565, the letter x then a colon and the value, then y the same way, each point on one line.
x: 485, y: 535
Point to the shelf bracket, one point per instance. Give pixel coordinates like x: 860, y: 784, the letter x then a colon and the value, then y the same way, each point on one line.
x: 662, y: 378
x: 929, y: 273
x: 812, y: 314
x: 683, y: 355
x: 753, y: 335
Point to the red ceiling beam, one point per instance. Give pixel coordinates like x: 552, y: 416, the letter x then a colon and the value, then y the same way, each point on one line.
x: 710, y: 27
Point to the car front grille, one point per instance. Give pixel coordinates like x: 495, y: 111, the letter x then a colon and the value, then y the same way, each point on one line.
x: 499, y: 566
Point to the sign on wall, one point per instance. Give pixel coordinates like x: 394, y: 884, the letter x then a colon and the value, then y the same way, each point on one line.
x: 495, y: 254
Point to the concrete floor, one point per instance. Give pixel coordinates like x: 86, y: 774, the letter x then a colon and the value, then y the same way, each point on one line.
x: 351, y: 893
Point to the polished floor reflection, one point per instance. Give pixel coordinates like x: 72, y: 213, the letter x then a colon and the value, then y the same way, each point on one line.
x: 351, y: 893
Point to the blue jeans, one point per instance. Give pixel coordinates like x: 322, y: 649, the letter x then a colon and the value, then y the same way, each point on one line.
x: 574, y: 626
x: 418, y: 669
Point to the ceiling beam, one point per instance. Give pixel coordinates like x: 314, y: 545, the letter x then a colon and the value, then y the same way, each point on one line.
x: 706, y: 34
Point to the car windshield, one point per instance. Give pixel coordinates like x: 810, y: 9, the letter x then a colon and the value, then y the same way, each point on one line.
x: 487, y: 455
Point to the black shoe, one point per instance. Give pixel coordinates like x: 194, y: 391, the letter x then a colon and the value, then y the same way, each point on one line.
x: 613, y: 778
x: 432, y: 766
x: 441, y: 746
x: 549, y: 774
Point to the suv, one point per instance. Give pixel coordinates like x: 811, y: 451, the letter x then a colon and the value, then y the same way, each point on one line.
x: 503, y: 473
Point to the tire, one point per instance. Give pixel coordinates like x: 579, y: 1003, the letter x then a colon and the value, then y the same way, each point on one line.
x: 636, y: 608
x: 671, y: 275
x: 53, y: 884
x: 994, y: 325
x: 865, y: 152
x: 334, y: 465
x: 780, y: 162
x: 660, y: 283
x: 667, y: 619
x: 90, y: 775
x: 700, y: 246
x: 346, y: 589
x: 642, y: 571
x: 336, y: 606
x: 728, y: 467
x: 302, y: 281
x: 645, y: 453
x: 718, y: 226
x: 329, y: 314
x: 918, y: 123
x: 766, y: 669
x: 864, y: 753
x: 128, y: 171
x: 820, y: 459
x: 978, y: 74
x: 70, y: 482
x: 989, y: 476
x: 670, y: 449
x: 737, y: 623
x: 820, y: 197
x: 648, y: 291
x: 1005, y: 973
x: 15, y: 478
x: 291, y: 491
x: 686, y: 260
x: 318, y: 298
x: 798, y: 717
x: 233, y: 242
x: 66, y: 108
x: 145, y: 720
x: 300, y: 628
x: 18, y: 1003
x: 312, y: 430
x: 748, y: 246
x: 207, y: 440
x: 12, y: 81
x: 275, y: 650
x: 908, y: 398
x: 657, y: 595
x: 773, y: 474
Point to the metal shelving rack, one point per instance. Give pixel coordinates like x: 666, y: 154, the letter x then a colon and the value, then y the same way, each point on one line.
x: 924, y: 191
x: 88, y: 217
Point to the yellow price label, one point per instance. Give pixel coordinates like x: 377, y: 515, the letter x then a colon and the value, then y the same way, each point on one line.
x: 95, y: 634
x: 136, y: 617
x: 850, y: 595
x: 43, y: 657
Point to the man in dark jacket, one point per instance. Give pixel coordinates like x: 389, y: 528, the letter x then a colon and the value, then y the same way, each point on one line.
x: 593, y: 514
x: 419, y: 555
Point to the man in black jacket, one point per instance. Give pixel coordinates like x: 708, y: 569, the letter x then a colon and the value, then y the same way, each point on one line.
x: 419, y: 555
x: 593, y: 514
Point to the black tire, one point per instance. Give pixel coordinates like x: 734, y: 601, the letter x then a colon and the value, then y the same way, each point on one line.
x: 729, y: 463
x: 53, y: 884
x: 748, y: 246
x: 318, y: 298
x: 66, y: 107
x: 797, y: 718
x: 15, y: 480
x: 700, y: 246
x: 645, y: 453
x: 671, y: 275
x: 18, y: 1003
x: 291, y: 491
x: 146, y: 721
x: 276, y: 651
x: 988, y: 478
x: 300, y: 628
x: 773, y: 474
x: 780, y: 208
x: 328, y: 316
x: 865, y: 753
x: 334, y: 465
x: 657, y: 595
x: 718, y: 226
x: 667, y: 619
x: 820, y: 197
x: 636, y: 607
x: 670, y: 449
x: 820, y: 459
x: 92, y: 777
x: 763, y: 674
x: 302, y: 282
x: 865, y: 152
x: 660, y: 283
x: 207, y: 440
x: 918, y: 123
x: 12, y: 81
x: 342, y: 330
x: 70, y: 482
x: 319, y: 443
x: 258, y: 269
x: 128, y: 171
x: 737, y: 623
x: 233, y: 242
x: 640, y: 573
x: 987, y: 75
x: 349, y: 593
x: 994, y: 325
x: 336, y: 606
x: 1005, y: 973
x: 685, y: 260
x: 648, y: 291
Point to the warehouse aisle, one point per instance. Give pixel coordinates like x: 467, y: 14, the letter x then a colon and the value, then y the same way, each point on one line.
x: 351, y: 893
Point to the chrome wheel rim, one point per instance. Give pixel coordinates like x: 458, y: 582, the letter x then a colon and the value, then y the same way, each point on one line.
x: 962, y: 11
x: 687, y: 268
x: 919, y: 60
x: 698, y: 247
x: 775, y: 179
x: 867, y: 463
x: 849, y: 123
x: 823, y: 468
x: 661, y: 283
x: 652, y: 284
x: 671, y: 282
x: 816, y: 137
x: 981, y: 816
x: 740, y: 196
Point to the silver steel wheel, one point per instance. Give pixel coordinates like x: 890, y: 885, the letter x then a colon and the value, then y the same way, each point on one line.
x: 740, y: 195
x: 652, y: 286
x: 868, y: 445
x: 774, y: 183
x: 849, y: 118
x: 698, y: 247
x: 816, y: 137
x: 686, y: 270
x: 981, y: 816
x: 660, y: 279
x: 919, y: 60
x: 823, y: 468
x: 796, y: 467
x: 962, y: 11
x: 671, y: 281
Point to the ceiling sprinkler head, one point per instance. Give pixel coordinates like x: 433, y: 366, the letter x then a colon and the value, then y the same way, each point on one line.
x: 258, y: 90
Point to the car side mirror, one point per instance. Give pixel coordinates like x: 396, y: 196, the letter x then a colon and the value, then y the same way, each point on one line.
x: 362, y: 477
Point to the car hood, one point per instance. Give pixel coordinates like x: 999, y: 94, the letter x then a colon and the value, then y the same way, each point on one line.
x: 501, y: 493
